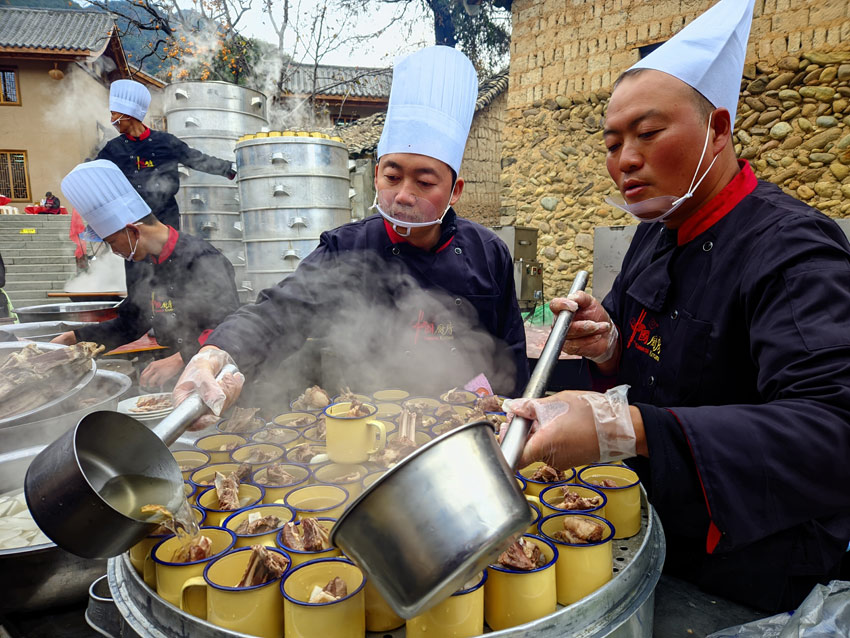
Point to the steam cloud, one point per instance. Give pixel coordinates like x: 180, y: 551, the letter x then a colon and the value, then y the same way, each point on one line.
x: 105, y: 274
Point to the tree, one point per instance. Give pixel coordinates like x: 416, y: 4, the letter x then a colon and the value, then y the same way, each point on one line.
x: 484, y: 33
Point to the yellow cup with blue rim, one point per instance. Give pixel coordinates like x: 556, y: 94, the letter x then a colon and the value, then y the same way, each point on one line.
x: 392, y: 396
x: 623, y: 506
x: 347, y: 476
x: 219, y: 446
x: 582, y: 567
x: 299, y: 556
x: 217, y: 598
x: 253, y: 452
x: 353, y: 439
x: 204, y: 477
x: 343, y: 618
x: 461, y: 615
x: 551, y: 497
x: 534, y: 487
x: 232, y: 522
x: 513, y: 597
x: 190, y: 460
x: 248, y: 495
x: 314, y: 501
x: 300, y: 476
x: 140, y: 553
x: 296, y: 420
x: 170, y: 576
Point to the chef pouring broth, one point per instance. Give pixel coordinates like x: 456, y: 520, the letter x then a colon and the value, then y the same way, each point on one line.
x: 411, y: 296
x: 730, y: 324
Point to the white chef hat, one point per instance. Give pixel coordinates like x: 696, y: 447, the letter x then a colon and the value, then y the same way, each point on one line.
x: 104, y: 198
x: 708, y: 54
x: 130, y: 98
x: 432, y: 101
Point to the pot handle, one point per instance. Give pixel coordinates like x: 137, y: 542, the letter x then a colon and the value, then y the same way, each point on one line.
x: 173, y: 425
x: 519, y: 428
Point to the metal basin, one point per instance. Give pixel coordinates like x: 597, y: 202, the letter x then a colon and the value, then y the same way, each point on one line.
x: 42, y: 330
x: 56, y: 405
x: 95, y: 311
x: 45, y: 575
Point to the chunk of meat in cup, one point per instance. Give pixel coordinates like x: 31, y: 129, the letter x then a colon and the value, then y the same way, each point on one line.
x: 574, y: 501
x: 276, y: 475
x: 256, y: 523
x: 227, y: 490
x: 333, y: 591
x: 522, y: 555
x: 578, y: 531
x: 198, y: 548
x: 313, y: 398
x: 357, y: 410
x: 547, y: 474
x: 303, y: 453
x: 309, y: 536
x: 263, y: 565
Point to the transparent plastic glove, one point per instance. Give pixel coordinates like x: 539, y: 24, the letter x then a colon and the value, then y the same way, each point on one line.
x: 199, y: 376
x: 592, y: 334
x: 575, y: 428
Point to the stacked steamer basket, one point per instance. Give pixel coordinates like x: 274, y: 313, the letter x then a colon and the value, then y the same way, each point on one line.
x: 210, y: 117
x: 292, y: 187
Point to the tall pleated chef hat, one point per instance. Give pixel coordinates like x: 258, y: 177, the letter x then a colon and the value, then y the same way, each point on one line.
x: 432, y: 101
x: 104, y: 198
x: 130, y: 98
x: 708, y: 54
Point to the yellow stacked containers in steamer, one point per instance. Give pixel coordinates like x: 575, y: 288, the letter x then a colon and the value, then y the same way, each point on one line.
x: 623, y: 506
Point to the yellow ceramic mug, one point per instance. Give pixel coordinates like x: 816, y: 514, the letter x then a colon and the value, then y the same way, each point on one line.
x: 314, y: 501
x: 623, y: 506
x: 271, y: 454
x: 343, y: 618
x: 532, y: 487
x: 513, y: 597
x: 204, y: 477
x: 390, y: 395
x: 353, y: 439
x: 248, y: 495
x: 300, y: 557
x: 140, y: 553
x: 289, y: 419
x: 216, y: 597
x: 535, y: 512
x: 282, y: 436
x: 232, y: 522
x: 583, y: 567
x: 219, y: 446
x: 299, y: 473
x: 171, y: 576
x: 379, y: 615
x: 461, y: 615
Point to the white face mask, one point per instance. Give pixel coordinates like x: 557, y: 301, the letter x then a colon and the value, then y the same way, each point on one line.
x: 115, y: 122
x: 658, y: 209
x: 400, y: 215
x: 133, y: 251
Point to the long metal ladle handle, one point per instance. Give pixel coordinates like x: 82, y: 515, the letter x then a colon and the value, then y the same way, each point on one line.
x: 518, y: 430
x: 192, y: 408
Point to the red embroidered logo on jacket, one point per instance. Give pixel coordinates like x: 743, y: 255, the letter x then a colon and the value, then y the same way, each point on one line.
x: 430, y: 331
x: 141, y: 163
x: 642, y: 338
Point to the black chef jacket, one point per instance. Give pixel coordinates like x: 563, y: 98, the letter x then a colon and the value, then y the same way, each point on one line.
x: 399, y: 315
x: 182, y: 295
x: 150, y: 163
x: 736, y: 343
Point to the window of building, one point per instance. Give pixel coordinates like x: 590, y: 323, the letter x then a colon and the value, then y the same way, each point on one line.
x: 14, y: 178
x: 649, y: 48
x: 9, y: 93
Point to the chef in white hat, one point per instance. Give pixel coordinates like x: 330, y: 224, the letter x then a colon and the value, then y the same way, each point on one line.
x: 471, y: 318
x: 183, y: 286
x: 726, y: 334
x: 149, y: 158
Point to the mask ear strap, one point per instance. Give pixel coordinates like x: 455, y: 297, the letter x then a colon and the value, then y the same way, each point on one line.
x: 692, y: 188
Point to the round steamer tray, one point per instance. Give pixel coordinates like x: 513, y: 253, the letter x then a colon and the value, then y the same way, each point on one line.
x: 623, y: 608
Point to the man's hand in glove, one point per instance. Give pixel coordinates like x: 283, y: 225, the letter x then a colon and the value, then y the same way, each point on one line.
x: 592, y: 334
x: 199, y: 376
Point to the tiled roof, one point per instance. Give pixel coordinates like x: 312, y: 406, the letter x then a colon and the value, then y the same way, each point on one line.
x: 339, y: 80
x: 58, y: 29
x: 361, y: 136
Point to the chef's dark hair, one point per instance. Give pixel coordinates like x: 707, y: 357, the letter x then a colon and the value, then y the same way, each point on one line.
x: 148, y: 220
x: 704, y: 107
x: 48, y: 194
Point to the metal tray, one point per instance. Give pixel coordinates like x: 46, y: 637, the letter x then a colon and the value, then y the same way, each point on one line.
x: 54, y: 406
x: 78, y: 311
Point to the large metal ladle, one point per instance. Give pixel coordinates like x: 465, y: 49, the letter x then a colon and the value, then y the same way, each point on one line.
x: 63, y: 483
x: 445, y: 512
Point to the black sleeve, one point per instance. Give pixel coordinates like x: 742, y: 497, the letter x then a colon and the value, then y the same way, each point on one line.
x: 133, y: 318
x: 217, y: 297
x: 511, y: 326
x: 193, y: 158
x: 2, y: 273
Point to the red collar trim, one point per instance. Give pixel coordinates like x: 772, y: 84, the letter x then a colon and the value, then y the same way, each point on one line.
x: 168, y: 248
x: 399, y: 239
x: 713, y: 211
x: 141, y: 137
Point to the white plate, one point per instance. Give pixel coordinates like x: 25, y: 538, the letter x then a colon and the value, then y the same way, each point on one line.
x: 127, y: 406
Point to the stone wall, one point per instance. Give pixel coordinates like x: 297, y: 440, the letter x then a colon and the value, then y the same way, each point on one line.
x: 480, y: 170
x: 559, y: 47
x: 793, y: 125
x: 793, y: 120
